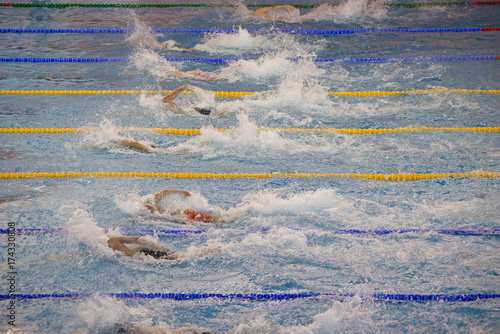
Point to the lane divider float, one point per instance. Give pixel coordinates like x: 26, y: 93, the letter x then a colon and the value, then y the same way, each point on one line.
x: 296, y: 175
x: 196, y: 132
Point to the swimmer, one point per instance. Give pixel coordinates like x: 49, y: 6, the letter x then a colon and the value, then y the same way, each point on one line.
x: 118, y: 243
x: 169, y: 101
x: 151, y: 248
x: 273, y: 13
x: 141, y: 329
x: 167, y: 45
x: 143, y: 147
x: 196, y: 75
x: 284, y: 13
x: 149, y: 148
x: 153, y: 205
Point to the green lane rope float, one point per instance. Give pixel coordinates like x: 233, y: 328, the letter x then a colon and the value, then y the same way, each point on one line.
x: 110, y: 5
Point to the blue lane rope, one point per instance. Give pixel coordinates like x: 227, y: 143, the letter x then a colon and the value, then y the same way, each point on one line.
x: 229, y: 60
x: 261, y: 296
x: 42, y: 231
x: 234, y: 31
x: 450, y: 231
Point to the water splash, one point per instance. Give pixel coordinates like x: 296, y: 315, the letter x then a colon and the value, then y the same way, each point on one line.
x: 244, y: 42
x: 347, y: 11
x: 146, y: 60
x: 270, y: 203
x: 83, y: 229
x: 248, y: 138
x: 101, y: 314
x: 134, y: 204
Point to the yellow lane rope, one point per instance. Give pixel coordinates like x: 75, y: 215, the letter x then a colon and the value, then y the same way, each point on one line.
x: 377, y: 177
x: 194, y: 132
x: 241, y: 94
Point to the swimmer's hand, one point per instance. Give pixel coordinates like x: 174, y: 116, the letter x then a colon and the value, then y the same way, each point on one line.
x: 230, y: 215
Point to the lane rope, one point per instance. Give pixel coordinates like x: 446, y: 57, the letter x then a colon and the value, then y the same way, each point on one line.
x: 375, y: 177
x: 110, y: 5
x: 229, y: 60
x: 159, y: 232
x: 236, y: 95
x: 260, y: 296
x: 256, y: 31
x: 196, y: 132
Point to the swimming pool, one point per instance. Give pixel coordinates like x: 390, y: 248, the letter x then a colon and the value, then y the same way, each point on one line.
x: 302, y: 235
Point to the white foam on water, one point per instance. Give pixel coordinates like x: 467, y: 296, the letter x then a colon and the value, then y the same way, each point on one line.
x: 272, y: 65
x: 349, y: 11
x: 239, y: 42
x: 83, y: 229
x: 270, y: 203
x: 134, y: 204
x: 105, y: 138
x: 244, y: 42
x: 100, y: 314
x: 149, y: 61
x: 345, y: 12
x: 351, y: 316
x: 248, y: 138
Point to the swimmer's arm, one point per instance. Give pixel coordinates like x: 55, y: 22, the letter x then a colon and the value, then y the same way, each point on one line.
x: 122, y: 239
x: 159, y: 195
x: 134, y: 144
x: 151, y: 42
x: 169, y: 99
x: 117, y: 243
x: 175, y: 93
x: 152, y: 204
x: 147, y: 242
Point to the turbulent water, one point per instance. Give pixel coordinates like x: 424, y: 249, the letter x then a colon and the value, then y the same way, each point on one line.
x: 271, y: 235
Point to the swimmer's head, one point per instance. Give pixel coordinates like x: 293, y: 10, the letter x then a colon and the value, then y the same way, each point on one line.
x: 158, y: 254
x: 169, y: 44
x: 203, y: 111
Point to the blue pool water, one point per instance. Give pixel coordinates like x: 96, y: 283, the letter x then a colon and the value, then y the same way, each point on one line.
x: 282, y: 245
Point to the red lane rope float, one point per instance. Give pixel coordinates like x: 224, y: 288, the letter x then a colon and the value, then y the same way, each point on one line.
x: 135, y: 5
x: 483, y: 3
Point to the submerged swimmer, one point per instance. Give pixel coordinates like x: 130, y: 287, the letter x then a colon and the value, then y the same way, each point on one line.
x: 198, y: 75
x: 286, y: 13
x: 167, y: 45
x: 147, y: 147
x: 275, y: 13
x: 169, y: 101
x: 150, y: 248
x: 153, y: 205
x: 158, y: 251
x: 140, y: 146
